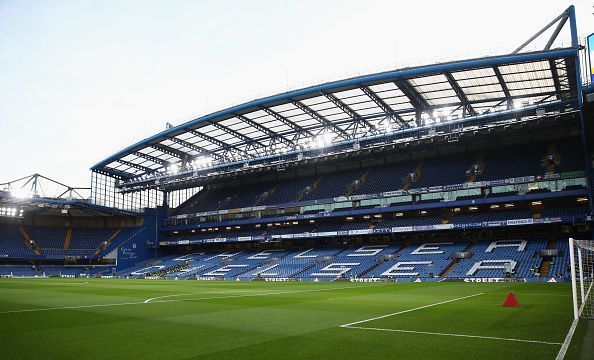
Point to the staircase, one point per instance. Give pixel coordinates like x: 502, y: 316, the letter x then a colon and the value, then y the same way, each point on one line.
x: 226, y: 201
x: 454, y: 263
x: 171, y: 270
x: 266, y: 195
x: 481, y: 168
x: 28, y: 242
x: 67, y: 239
x: 552, y: 151
x: 308, y: 189
x: 378, y: 263
x: 303, y: 270
x: 104, y: 246
x: 355, y: 185
x: 446, y: 217
x: 417, y: 174
x: 545, y: 265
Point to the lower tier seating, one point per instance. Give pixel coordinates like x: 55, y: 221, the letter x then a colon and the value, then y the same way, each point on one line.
x: 517, y: 258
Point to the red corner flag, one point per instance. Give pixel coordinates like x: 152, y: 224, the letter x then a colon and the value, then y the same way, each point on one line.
x: 511, y: 300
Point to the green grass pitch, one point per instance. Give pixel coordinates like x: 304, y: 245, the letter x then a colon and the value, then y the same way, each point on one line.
x: 145, y: 319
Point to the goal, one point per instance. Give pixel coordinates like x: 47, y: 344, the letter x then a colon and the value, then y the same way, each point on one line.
x: 581, y: 255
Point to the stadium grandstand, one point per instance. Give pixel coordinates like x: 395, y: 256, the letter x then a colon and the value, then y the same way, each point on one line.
x: 466, y: 154
x: 477, y: 170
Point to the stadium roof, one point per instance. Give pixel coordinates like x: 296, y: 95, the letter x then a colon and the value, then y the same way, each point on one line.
x: 355, y: 108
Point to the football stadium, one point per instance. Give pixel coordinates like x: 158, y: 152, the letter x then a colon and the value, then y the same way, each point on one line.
x: 439, y: 211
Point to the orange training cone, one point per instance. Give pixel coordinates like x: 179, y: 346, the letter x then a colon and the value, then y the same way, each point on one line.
x: 511, y: 300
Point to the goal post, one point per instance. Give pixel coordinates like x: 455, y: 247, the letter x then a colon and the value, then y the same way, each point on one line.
x: 581, y: 257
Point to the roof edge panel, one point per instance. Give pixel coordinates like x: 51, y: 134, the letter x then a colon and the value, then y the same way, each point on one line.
x: 340, y: 84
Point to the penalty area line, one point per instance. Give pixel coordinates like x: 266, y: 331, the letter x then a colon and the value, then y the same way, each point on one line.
x: 410, y: 310
x: 454, y: 335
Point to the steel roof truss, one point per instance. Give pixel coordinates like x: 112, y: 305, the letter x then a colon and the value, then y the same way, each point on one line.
x: 135, y: 166
x: 286, y: 121
x: 321, y: 119
x: 384, y: 106
x: 349, y: 111
x: 461, y: 95
x: 154, y: 159
x: 503, y: 86
x: 273, y: 135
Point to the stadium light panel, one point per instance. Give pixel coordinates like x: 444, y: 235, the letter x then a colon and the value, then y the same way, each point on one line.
x: 517, y: 104
x: 173, y: 168
x: 20, y: 193
x: 202, y: 162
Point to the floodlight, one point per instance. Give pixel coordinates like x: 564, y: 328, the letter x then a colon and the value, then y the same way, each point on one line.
x: 518, y: 104
x: 20, y: 193
x: 173, y: 168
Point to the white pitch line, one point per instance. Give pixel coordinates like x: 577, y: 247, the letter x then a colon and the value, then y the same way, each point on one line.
x: 260, y: 294
x: 68, y: 307
x: 410, y: 310
x: 565, y: 345
x: 567, y: 342
x: 455, y: 335
x: 204, y: 293
x: 179, y: 300
x: 65, y: 283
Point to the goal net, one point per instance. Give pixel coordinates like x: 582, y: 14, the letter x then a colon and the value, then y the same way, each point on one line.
x: 582, y: 273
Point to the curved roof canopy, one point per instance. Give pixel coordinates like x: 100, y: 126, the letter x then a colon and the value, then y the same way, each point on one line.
x: 352, y: 109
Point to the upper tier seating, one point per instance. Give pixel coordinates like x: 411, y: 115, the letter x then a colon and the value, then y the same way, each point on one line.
x: 500, y: 163
x: 334, y: 185
x: 12, y: 243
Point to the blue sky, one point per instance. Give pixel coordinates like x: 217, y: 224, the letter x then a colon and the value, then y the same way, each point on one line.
x: 82, y: 79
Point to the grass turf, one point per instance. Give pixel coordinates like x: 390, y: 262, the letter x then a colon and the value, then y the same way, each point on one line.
x: 261, y: 320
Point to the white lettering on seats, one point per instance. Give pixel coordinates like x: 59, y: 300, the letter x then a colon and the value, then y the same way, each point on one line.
x: 430, y: 249
x: 224, y: 270
x: 506, y: 265
x: 403, y: 268
x: 368, y: 250
x: 335, y: 269
x: 520, y: 244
